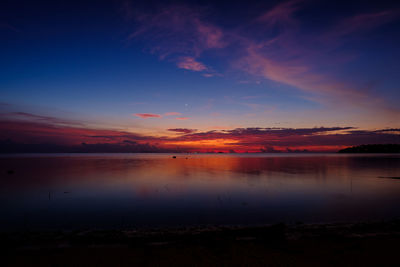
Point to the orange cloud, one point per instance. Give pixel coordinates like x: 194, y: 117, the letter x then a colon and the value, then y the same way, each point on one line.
x: 182, y: 130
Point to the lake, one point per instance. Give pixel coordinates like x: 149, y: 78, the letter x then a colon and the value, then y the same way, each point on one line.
x: 101, y: 191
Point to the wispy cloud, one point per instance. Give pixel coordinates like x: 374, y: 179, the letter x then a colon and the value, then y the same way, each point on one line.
x: 281, y: 14
x: 359, y: 24
x: 147, y: 115
x: 189, y: 63
x: 209, y: 75
x: 39, y: 118
x: 272, y: 46
x: 182, y: 130
x: 182, y: 118
x: 182, y: 38
x: 153, y: 115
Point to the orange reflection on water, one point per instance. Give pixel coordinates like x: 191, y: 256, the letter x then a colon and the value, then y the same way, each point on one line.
x: 203, y: 188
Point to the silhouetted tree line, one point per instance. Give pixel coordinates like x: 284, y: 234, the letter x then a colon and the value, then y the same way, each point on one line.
x: 376, y: 148
x: 8, y: 146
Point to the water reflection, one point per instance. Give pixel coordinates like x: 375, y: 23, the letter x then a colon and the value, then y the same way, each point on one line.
x: 120, y: 190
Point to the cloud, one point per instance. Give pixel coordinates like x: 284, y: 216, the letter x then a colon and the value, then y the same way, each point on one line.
x: 151, y: 115
x: 273, y: 46
x: 30, y: 136
x: 295, y: 73
x: 360, y: 24
x: 182, y: 130
x: 394, y: 130
x: 40, y: 118
x: 182, y: 118
x: 147, y: 115
x: 179, y: 38
x: 280, y: 14
x: 290, y: 57
x: 51, y: 132
x: 259, y: 132
x: 176, y: 33
x: 189, y: 63
x: 286, y: 139
x: 211, y: 36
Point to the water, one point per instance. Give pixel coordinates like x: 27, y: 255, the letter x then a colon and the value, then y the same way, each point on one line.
x: 71, y: 191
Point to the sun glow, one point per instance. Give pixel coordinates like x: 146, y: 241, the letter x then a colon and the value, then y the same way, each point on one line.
x: 207, y: 143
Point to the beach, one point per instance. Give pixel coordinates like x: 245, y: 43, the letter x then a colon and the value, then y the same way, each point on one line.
x: 356, y: 244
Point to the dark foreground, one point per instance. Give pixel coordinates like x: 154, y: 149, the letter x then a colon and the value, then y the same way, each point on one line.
x: 366, y: 244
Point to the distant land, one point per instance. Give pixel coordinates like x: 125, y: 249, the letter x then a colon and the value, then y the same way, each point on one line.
x: 376, y: 148
x: 9, y: 147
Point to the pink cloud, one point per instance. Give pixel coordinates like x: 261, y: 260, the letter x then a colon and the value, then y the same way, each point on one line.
x: 289, y: 58
x: 361, y: 23
x: 147, y: 115
x: 285, y: 55
x: 177, y: 34
x: 323, y: 88
x: 189, y: 63
x: 295, y: 73
x: 211, y: 36
x: 280, y: 14
x: 182, y: 118
x: 151, y: 115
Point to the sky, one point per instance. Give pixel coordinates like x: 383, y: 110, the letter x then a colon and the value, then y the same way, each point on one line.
x: 199, y: 76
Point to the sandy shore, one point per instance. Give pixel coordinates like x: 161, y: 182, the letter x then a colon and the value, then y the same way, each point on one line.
x: 356, y: 244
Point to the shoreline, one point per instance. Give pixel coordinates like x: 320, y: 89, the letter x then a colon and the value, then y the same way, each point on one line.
x: 279, y: 244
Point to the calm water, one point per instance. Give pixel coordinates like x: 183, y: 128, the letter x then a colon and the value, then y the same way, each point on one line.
x: 152, y: 190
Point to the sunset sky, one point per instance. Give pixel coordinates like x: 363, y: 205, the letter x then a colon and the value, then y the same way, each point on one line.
x: 199, y: 76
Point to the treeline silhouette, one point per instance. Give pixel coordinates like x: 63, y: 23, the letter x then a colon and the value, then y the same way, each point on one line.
x: 8, y: 146
x: 374, y: 148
